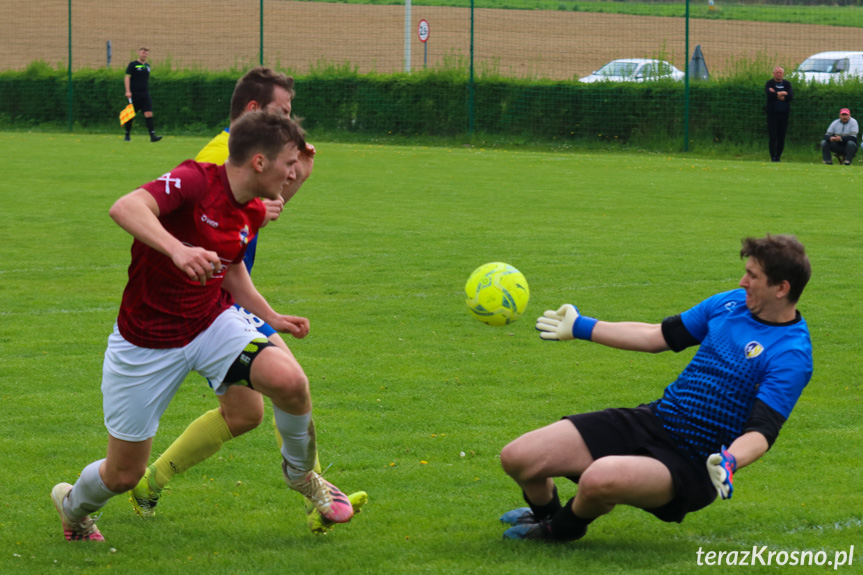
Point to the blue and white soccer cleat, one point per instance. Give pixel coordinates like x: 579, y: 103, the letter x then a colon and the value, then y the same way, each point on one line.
x: 536, y: 531
x: 518, y: 516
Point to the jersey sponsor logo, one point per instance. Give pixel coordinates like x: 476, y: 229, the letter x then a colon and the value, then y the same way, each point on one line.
x: 168, y: 181
x: 209, y: 222
x: 244, y: 235
x: 753, y: 349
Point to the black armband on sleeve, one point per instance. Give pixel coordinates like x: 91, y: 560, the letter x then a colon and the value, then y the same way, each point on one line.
x: 765, y: 420
x: 676, y: 335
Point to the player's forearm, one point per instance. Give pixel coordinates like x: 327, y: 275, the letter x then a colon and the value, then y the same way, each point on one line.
x: 748, y: 448
x: 632, y: 336
x: 137, y: 214
x: 239, y: 284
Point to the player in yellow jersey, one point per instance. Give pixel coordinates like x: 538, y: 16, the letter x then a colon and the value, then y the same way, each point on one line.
x: 241, y: 409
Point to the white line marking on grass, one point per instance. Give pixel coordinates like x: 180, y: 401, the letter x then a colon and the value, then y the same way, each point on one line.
x: 57, y: 311
x: 63, y: 269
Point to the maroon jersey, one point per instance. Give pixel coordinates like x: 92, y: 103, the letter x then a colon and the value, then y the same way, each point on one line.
x: 161, y: 306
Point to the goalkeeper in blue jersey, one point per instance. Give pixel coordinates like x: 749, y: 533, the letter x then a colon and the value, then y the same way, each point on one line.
x: 679, y: 453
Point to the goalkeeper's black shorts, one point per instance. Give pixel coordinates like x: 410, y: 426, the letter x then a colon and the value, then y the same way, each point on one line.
x: 636, y: 431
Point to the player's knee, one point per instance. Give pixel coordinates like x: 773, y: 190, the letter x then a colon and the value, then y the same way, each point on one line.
x: 292, y: 385
x: 122, y: 480
x: 599, y: 482
x: 515, y: 462
x: 240, y: 421
x: 278, y: 375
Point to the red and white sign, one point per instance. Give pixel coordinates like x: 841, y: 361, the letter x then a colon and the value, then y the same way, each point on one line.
x: 423, y: 31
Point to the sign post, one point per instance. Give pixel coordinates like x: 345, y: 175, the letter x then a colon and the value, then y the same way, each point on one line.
x: 423, y: 33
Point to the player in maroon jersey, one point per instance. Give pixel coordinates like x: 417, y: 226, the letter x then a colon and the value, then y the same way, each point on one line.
x: 191, y: 228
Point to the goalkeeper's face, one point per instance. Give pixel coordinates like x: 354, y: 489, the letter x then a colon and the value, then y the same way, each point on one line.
x: 760, y: 295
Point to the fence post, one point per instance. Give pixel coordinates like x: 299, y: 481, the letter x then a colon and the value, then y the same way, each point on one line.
x: 70, y: 65
x: 261, y: 50
x: 407, y: 36
x: 470, y: 99
x: 686, y: 87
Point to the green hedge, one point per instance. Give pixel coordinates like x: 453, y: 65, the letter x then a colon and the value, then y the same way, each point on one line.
x: 436, y: 104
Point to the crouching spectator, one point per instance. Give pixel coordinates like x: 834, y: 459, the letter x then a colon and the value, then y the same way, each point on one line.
x: 840, y: 139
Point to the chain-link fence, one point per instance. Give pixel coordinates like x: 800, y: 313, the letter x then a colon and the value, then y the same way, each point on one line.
x: 541, y: 42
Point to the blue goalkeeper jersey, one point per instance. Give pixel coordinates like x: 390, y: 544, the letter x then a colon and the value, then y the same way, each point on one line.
x: 740, y: 359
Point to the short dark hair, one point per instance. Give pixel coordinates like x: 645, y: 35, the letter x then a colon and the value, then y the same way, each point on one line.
x: 783, y: 257
x: 265, y: 133
x: 257, y: 85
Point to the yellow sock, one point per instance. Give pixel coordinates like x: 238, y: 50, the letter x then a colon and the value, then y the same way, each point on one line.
x: 317, y: 466
x: 202, y: 438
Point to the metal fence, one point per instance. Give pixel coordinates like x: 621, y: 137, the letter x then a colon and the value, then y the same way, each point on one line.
x: 541, y: 40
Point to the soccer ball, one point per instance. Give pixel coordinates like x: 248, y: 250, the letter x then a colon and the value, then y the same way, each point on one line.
x: 497, y: 293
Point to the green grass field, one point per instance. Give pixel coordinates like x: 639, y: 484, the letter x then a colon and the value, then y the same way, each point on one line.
x: 413, y: 398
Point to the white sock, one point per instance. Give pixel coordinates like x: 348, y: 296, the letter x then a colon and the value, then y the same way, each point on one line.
x: 298, y: 441
x: 89, y: 493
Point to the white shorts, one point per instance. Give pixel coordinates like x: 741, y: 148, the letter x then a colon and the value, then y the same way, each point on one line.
x: 138, y: 383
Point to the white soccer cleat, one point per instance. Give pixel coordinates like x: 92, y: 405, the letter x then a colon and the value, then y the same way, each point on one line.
x: 331, y: 503
x: 83, y: 529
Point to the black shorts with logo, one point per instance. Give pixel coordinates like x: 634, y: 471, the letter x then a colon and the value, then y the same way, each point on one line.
x: 637, y: 431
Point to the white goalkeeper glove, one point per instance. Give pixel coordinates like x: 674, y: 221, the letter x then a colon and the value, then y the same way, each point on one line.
x: 721, y: 467
x: 564, y: 324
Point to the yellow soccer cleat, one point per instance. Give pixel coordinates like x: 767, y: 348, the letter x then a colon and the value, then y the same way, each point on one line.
x: 145, y: 495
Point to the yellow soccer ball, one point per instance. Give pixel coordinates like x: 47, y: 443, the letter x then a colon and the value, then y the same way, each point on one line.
x: 496, y: 293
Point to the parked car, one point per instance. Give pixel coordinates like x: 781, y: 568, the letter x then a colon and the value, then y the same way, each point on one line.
x: 634, y: 70
x: 831, y: 67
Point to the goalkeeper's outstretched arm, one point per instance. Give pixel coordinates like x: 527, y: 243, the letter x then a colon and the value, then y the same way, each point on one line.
x: 566, y: 323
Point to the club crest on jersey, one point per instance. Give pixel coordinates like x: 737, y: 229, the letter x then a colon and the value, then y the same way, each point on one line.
x: 244, y: 235
x: 753, y: 349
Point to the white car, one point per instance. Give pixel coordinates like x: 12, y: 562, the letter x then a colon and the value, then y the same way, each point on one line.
x: 831, y: 67
x: 634, y: 70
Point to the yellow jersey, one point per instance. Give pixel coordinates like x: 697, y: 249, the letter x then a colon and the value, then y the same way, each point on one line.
x: 216, y: 150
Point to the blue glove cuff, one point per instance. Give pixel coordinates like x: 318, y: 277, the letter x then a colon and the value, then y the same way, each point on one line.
x: 730, y: 459
x: 583, y: 327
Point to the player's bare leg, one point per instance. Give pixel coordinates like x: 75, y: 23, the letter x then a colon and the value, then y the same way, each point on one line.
x: 635, y: 480
x: 279, y: 376
x: 241, y: 409
x: 532, y: 460
x: 97, y: 484
x: 556, y: 450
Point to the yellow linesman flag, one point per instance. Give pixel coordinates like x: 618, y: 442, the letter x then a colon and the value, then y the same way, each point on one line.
x: 128, y: 113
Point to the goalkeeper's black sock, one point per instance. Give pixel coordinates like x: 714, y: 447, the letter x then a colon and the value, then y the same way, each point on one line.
x: 567, y: 526
x: 546, y: 511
